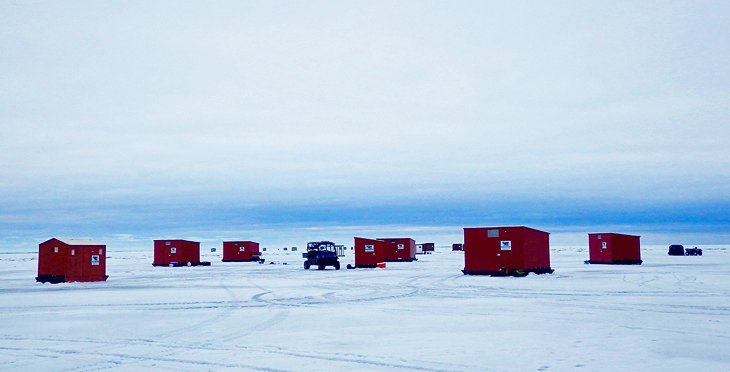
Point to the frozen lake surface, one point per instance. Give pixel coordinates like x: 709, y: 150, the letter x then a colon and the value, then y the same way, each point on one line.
x: 671, y: 313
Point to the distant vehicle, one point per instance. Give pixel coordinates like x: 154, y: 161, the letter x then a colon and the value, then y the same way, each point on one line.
x: 679, y: 250
x: 321, y: 254
x: 676, y: 250
x: 693, y: 251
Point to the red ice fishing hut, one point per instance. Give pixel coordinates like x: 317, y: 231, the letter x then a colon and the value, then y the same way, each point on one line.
x: 71, y: 260
x: 616, y: 249
x: 399, y: 249
x: 499, y: 251
x: 425, y: 248
x: 241, y: 251
x: 177, y: 252
x: 369, y: 252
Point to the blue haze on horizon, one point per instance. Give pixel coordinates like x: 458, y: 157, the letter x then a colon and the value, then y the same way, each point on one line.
x: 157, y: 118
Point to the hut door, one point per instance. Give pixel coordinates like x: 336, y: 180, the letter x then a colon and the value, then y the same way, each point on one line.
x: 75, y: 263
x: 505, y: 248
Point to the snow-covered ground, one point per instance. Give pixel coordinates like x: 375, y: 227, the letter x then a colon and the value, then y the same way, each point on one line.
x: 671, y: 313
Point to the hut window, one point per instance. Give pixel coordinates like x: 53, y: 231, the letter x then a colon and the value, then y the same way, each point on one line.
x: 101, y: 251
x: 241, y: 249
x: 599, y: 236
x: 55, y: 249
x: 73, y: 252
x: 173, y: 250
x: 167, y: 243
x: 401, y: 246
x: 493, y: 233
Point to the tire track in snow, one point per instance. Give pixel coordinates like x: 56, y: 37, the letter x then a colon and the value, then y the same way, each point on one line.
x: 183, y: 347
x: 62, y: 352
x: 233, y: 301
x: 275, y: 319
x: 335, y: 297
x: 350, y: 358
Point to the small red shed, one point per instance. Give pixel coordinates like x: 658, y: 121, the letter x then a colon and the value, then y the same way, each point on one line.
x: 369, y: 252
x: 425, y: 248
x: 513, y: 250
x: 613, y: 248
x: 177, y: 252
x: 71, y: 260
x: 399, y: 249
x: 241, y: 251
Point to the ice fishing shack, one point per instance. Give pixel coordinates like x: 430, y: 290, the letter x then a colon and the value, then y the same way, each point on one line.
x: 71, y: 260
x: 425, y: 248
x: 506, y: 251
x: 177, y: 252
x: 369, y: 252
x: 399, y: 249
x: 614, y: 249
x: 241, y: 251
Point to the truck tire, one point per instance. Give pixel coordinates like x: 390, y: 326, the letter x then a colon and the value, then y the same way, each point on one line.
x: 337, y: 265
x: 321, y: 266
x: 306, y: 265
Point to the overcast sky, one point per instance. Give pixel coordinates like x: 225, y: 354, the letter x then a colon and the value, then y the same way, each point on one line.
x: 139, y: 110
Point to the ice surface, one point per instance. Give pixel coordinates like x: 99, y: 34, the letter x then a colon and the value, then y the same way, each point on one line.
x: 671, y: 313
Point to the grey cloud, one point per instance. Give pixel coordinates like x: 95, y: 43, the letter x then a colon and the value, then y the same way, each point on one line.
x: 363, y: 99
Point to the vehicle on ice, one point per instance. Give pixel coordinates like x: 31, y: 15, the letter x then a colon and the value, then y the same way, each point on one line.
x: 676, y: 250
x: 693, y: 251
x: 679, y: 250
x: 321, y: 254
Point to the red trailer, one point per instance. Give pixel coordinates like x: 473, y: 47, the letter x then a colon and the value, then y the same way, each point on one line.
x: 499, y: 251
x: 71, y: 260
x: 399, y: 249
x: 425, y: 248
x: 177, y: 252
x: 616, y: 249
x: 368, y: 252
x: 241, y: 251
